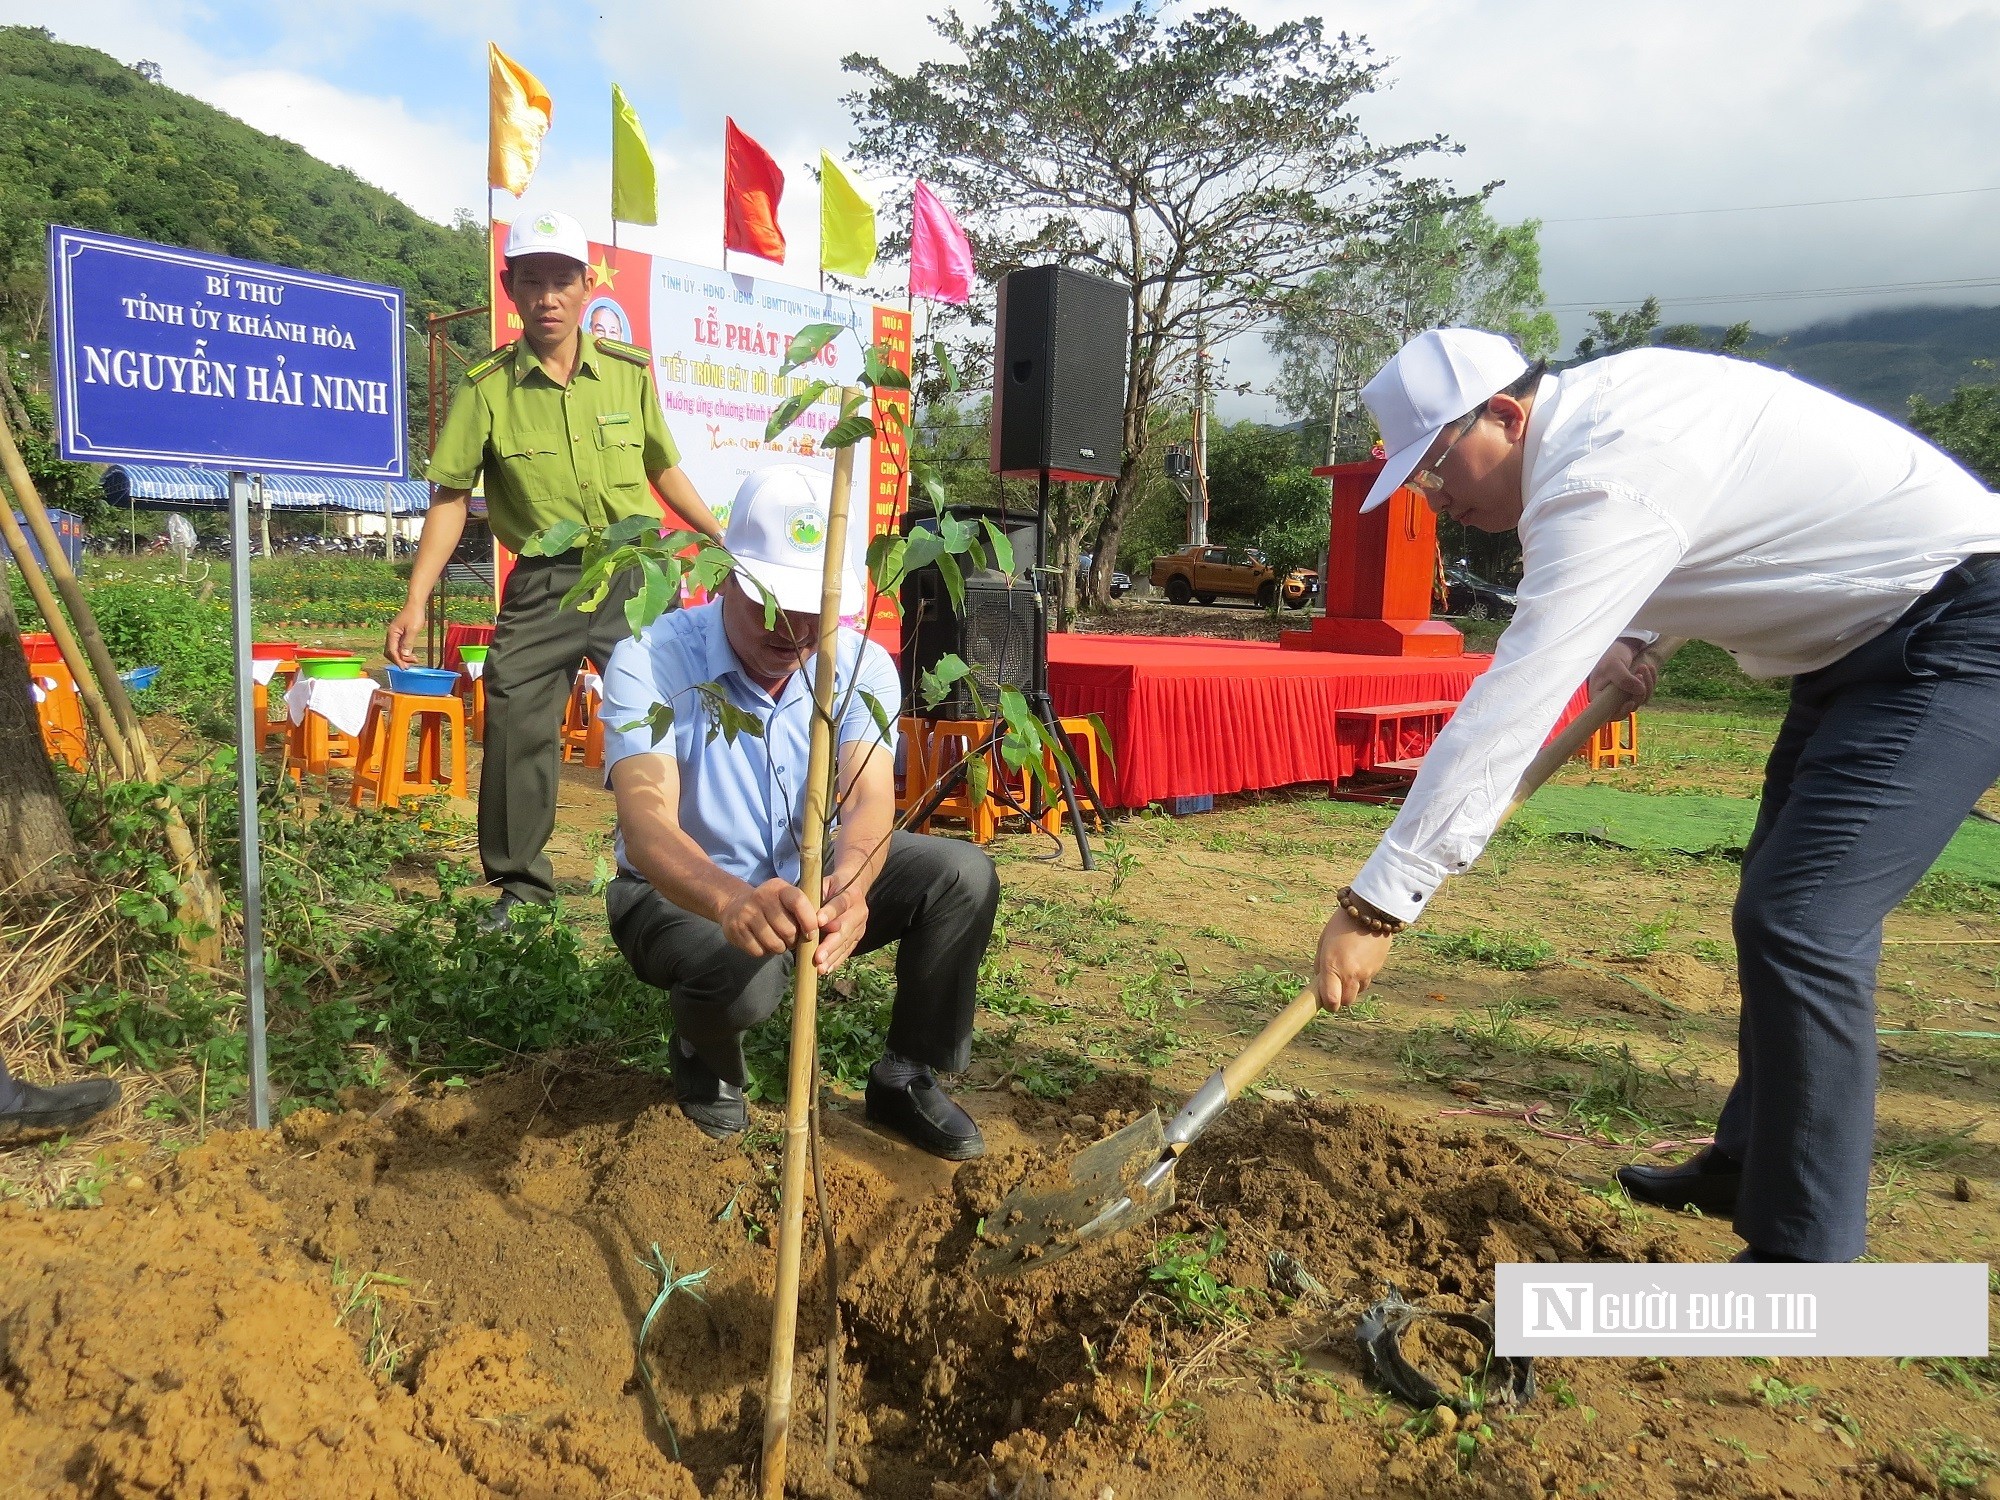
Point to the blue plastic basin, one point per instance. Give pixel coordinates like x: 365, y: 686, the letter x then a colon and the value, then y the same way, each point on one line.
x: 427, y: 681
x: 139, y: 678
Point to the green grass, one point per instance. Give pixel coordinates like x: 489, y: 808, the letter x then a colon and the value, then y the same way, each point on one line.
x: 1513, y: 951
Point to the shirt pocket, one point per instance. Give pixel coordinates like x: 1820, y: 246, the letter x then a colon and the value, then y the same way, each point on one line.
x: 537, y: 465
x: 621, y: 447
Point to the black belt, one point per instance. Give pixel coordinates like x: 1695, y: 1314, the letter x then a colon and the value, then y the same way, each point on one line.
x: 573, y: 557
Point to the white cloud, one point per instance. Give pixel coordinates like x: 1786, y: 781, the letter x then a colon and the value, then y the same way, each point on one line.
x: 1586, y: 109
x: 434, y: 168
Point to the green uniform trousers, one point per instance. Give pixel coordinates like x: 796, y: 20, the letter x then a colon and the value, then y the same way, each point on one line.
x: 537, y: 649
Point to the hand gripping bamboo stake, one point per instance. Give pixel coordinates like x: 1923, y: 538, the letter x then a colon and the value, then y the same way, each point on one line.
x: 122, y: 733
x: 800, y: 1073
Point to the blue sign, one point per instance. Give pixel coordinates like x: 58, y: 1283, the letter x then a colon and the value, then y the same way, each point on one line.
x: 165, y: 355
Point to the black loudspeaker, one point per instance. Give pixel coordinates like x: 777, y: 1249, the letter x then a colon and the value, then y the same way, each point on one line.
x: 1059, y: 374
x: 1000, y: 634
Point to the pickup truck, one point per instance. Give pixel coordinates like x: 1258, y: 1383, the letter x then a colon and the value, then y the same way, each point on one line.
x: 1208, y: 573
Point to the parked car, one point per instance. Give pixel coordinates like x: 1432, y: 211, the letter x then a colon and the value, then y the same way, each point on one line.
x: 1208, y: 573
x: 1121, y: 583
x: 1474, y: 598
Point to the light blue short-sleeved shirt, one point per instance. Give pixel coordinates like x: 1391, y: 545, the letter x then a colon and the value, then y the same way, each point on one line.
x: 742, y: 803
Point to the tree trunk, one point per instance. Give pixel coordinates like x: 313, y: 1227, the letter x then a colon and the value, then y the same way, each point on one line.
x: 35, y: 840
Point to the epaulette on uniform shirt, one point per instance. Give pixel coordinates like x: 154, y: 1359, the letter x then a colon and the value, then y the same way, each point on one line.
x: 487, y: 364
x: 630, y: 352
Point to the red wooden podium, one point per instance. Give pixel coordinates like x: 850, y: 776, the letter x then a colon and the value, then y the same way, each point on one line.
x: 1380, y: 569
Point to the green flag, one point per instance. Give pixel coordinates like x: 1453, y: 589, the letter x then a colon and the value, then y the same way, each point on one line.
x: 634, y: 191
x: 846, y: 223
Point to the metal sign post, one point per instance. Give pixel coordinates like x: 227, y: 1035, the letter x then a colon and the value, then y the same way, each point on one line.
x: 246, y: 799
x: 167, y: 355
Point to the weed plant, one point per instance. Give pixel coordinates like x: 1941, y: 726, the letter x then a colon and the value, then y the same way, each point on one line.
x: 1513, y: 951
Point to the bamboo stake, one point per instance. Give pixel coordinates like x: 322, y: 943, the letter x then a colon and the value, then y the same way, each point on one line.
x: 804, y: 1055
x: 122, y: 731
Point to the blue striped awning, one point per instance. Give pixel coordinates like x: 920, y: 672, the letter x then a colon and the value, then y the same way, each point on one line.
x: 158, y: 486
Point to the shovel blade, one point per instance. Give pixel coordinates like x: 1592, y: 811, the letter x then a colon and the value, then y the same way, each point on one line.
x: 1088, y: 1197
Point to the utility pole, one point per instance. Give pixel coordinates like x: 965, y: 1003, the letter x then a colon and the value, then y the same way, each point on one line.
x: 1198, y: 489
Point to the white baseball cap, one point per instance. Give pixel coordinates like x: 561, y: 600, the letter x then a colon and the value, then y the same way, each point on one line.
x: 548, y: 234
x: 777, y: 534
x: 1429, y: 383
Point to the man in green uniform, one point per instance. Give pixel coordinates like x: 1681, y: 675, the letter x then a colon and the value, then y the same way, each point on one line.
x: 565, y: 427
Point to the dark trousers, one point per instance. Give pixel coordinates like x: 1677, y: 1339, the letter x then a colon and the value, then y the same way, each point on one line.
x: 530, y: 670
x: 1880, y: 757
x: 937, y: 896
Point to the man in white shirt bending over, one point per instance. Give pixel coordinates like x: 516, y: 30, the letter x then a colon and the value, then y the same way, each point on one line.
x: 1665, y: 493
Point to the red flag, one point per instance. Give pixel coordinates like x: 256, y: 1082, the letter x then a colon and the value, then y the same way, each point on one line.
x: 751, y: 188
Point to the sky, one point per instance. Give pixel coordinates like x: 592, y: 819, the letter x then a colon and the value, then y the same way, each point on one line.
x: 1620, y: 126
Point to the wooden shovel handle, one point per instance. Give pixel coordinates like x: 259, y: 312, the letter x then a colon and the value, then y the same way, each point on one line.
x: 1249, y: 1064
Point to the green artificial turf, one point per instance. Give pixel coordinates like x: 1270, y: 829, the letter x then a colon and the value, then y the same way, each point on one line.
x: 1695, y: 824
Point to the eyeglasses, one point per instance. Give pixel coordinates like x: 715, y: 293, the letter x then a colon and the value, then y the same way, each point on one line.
x: 1427, y: 478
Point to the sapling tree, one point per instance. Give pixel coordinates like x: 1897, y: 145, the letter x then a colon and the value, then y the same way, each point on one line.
x: 671, y: 563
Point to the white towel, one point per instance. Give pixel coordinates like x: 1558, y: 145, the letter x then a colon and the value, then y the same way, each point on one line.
x: 342, y: 702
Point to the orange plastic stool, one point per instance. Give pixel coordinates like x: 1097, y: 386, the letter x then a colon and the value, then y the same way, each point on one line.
x: 473, y: 691
x: 269, y: 728
x: 1074, y: 730
x: 59, y: 710
x: 583, y: 730
x: 935, y: 746
x: 1616, y: 744
x: 314, y: 745
x: 383, y: 764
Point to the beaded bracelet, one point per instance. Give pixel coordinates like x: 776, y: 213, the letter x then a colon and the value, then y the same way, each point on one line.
x: 1372, y: 918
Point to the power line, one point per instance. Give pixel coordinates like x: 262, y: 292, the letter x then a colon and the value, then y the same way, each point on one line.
x: 1758, y: 208
x: 1794, y: 294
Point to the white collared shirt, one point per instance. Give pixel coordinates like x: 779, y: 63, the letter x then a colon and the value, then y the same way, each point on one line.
x: 1694, y: 496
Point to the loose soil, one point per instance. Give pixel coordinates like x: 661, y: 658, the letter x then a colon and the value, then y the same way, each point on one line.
x: 216, y: 1327
x: 435, y: 1293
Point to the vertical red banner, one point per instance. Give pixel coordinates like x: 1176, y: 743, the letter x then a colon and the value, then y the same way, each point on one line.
x: 889, y: 472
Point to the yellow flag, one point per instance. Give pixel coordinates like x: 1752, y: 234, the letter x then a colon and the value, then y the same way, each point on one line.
x: 520, y: 117
x: 846, y: 222
x: 635, y: 196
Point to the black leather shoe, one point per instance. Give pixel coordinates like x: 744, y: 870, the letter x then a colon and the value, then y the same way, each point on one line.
x: 1708, y: 1181
x: 924, y: 1115
x: 716, y: 1106
x: 501, y: 912
x: 66, y: 1105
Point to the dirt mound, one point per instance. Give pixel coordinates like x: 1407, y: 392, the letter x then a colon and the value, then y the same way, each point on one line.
x: 167, y: 1352
x: 1321, y: 1202
x: 438, y: 1297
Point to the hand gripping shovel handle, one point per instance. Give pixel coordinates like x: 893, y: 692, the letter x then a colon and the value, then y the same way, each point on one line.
x: 1228, y: 1081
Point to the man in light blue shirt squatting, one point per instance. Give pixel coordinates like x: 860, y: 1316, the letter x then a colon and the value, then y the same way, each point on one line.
x: 706, y: 904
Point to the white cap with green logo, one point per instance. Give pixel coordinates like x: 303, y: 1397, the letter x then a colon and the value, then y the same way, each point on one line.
x: 548, y: 234
x: 777, y: 534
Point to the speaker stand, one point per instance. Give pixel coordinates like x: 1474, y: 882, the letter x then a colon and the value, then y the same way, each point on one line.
x: 1039, y: 700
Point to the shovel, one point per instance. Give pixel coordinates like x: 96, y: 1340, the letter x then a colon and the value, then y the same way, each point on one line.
x: 1128, y: 1177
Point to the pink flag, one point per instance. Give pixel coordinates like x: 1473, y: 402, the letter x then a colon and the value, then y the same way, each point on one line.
x: 940, y: 254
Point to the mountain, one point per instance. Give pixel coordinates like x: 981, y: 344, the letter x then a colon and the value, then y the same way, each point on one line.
x: 1881, y: 359
x: 90, y: 142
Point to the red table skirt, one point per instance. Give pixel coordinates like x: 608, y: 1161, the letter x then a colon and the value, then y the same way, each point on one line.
x: 462, y: 635
x: 1193, y: 717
